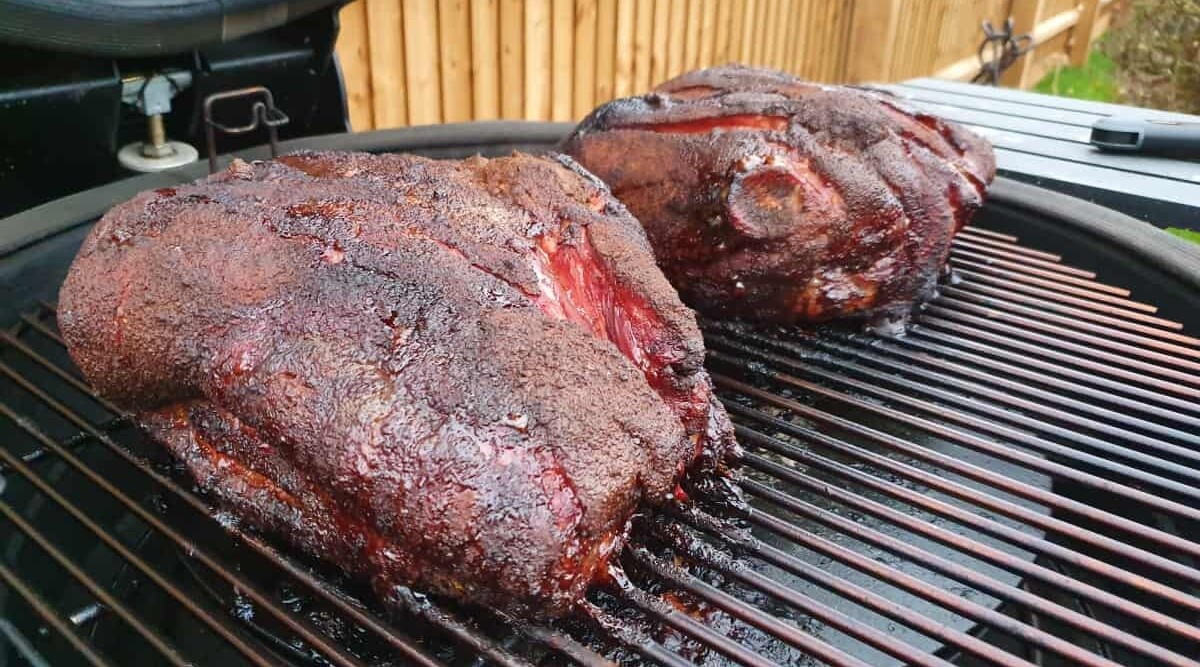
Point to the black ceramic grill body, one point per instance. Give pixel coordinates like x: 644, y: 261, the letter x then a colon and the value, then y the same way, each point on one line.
x: 1013, y: 482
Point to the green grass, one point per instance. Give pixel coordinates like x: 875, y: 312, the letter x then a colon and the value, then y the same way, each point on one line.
x: 1094, y: 81
x: 1187, y: 234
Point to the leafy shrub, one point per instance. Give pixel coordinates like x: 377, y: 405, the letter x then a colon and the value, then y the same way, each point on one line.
x: 1157, y: 54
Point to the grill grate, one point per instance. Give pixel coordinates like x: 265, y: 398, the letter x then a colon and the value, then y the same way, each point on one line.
x: 1013, y: 483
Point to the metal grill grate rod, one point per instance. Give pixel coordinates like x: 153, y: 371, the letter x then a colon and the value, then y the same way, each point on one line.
x: 990, y: 243
x: 1107, y: 338
x: 949, y: 569
x: 980, y: 231
x: 1046, y: 374
x: 301, y: 628
x: 661, y: 611
x: 968, y: 268
x: 744, y: 543
x: 852, y: 627
x: 110, y: 603
x: 1099, y: 363
x: 43, y: 362
x: 1157, y: 537
x: 1030, y: 305
x: 968, y: 439
x: 51, y: 617
x: 963, y: 517
x: 1100, y: 303
x: 740, y: 610
x: 1043, y: 407
x: 974, y: 259
x: 1025, y: 256
x: 915, y: 586
x: 631, y: 637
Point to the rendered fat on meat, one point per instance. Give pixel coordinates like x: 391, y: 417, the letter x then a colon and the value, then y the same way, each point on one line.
x: 459, y: 376
x: 772, y: 199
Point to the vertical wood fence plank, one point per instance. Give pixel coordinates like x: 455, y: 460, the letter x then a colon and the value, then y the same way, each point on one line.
x: 624, y: 55
x: 677, y: 32
x: 800, y: 62
x: 721, y: 53
x: 757, y: 41
x: 585, y: 57
x: 421, y: 54
x: 847, y: 38
x: 606, y: 46
x: 874, y: 28
x: 737, y: 19
x: 454, y: 42
x: 1081, y: 34
x: 485, y: 58
x: 512, y: 58
x: 642, y: 41
x: 658, y: 51
x: 746, y: 40
x: 562, y: 59
x: 793, y: 37
x: 708, y: 33
x: 771, y: 8
x: 389, y: 102
x: 829, y: 54
x: 354, y: 50
x: 772, y: 46
x: 779, y: 42
x: 690, y: 24
x: 537, y: 59
x: 812, y: 52
x: 769, y: 17
x: 800, y: 38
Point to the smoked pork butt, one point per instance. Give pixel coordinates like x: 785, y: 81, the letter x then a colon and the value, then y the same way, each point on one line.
x: 772, y: 199
x: 461, y: 376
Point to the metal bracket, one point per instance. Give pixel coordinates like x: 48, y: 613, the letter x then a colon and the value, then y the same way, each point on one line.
x: 262, y: 113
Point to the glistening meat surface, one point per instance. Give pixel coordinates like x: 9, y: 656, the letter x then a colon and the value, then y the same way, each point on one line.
x: 462, y: 376
x: 777, y: 200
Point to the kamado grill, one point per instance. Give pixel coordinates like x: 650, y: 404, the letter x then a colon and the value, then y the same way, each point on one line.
x: 1013, y: 482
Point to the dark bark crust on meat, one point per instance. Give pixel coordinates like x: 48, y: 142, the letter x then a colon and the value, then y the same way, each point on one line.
x: 429, y: 373
x: 773, y: 199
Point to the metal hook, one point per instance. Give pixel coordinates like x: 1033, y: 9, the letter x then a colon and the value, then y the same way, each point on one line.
x: 262, y: 113
x: 1006, y: 48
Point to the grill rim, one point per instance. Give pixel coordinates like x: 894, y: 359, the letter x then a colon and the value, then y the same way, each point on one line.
x: 1174, y: 255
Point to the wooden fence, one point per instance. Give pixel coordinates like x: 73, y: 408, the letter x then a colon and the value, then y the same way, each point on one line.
x: 413, y: 62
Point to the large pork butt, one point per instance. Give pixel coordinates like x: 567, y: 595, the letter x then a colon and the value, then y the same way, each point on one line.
x: 460, y: 376
x: 772, y: 199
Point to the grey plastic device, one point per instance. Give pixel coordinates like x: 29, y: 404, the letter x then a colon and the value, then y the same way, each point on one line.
x: 1146, y: 135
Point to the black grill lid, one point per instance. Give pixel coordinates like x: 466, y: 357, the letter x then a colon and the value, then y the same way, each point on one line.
x: 136, y: 28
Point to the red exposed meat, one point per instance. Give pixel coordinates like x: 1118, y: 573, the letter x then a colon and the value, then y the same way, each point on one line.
x: 773, y: 199
x: 428, y: 373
